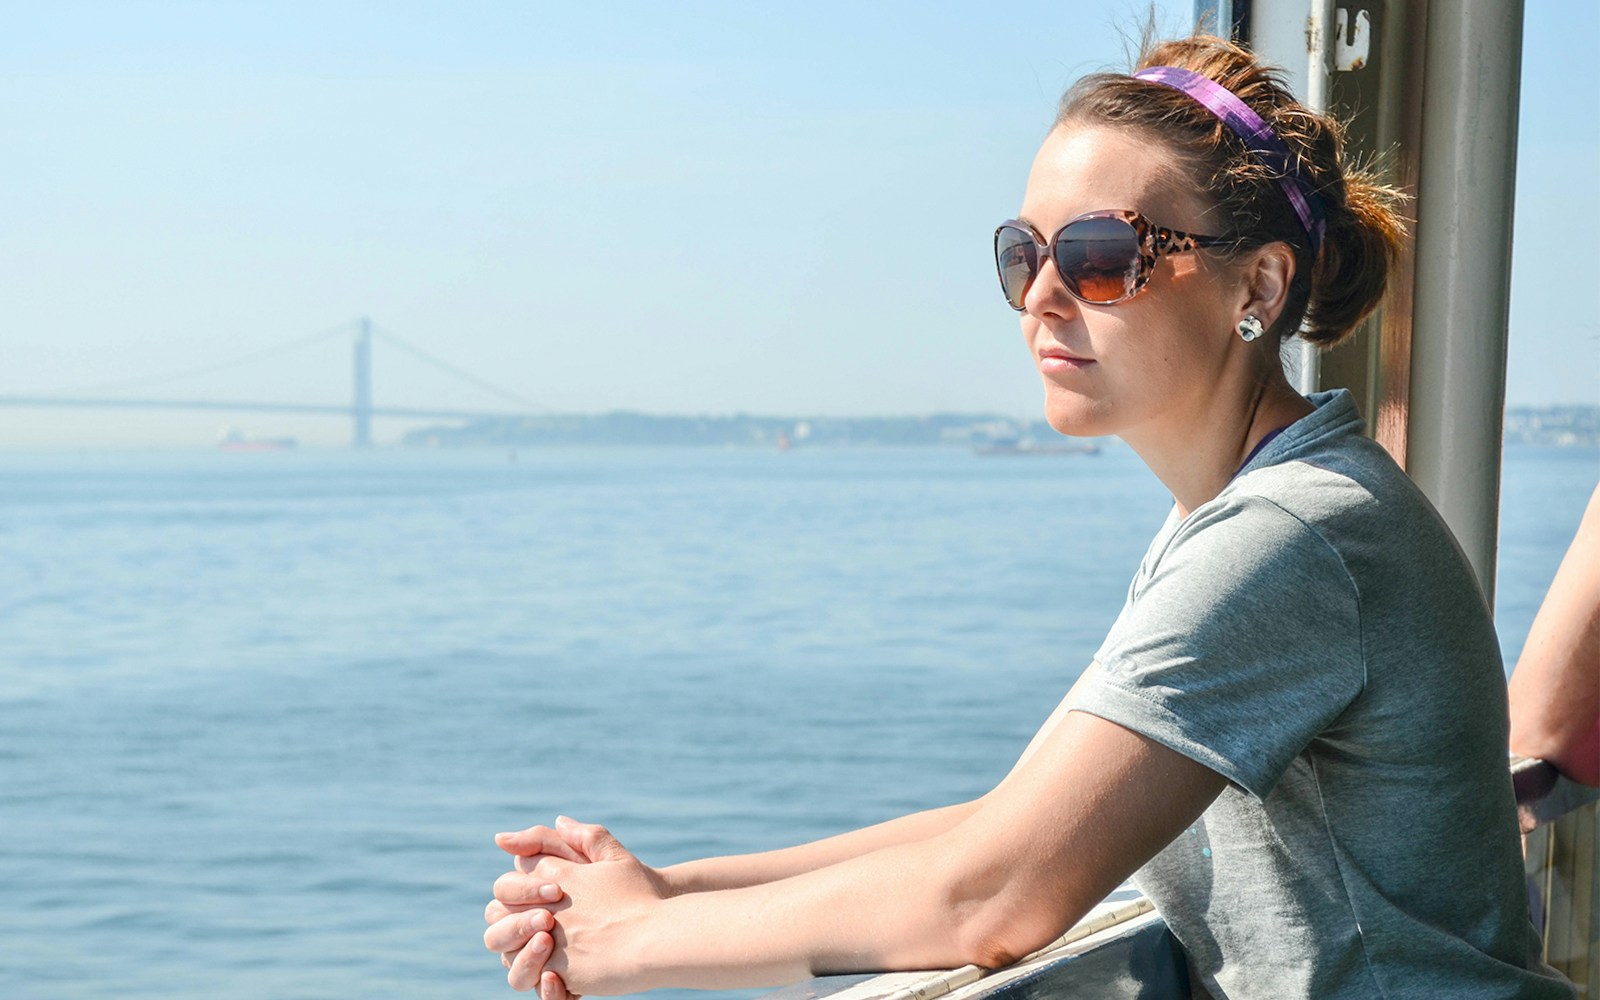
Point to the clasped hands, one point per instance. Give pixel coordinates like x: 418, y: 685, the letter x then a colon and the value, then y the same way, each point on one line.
x: 563, y: 918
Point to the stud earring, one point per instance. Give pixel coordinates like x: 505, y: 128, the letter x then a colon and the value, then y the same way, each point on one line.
x: 1249, y: 329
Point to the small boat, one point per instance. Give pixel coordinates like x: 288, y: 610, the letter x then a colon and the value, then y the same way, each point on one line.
x: 1028, y: 446
x: 233, y: 439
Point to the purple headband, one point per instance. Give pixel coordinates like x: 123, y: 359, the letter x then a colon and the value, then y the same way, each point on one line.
x: 1257, y: 134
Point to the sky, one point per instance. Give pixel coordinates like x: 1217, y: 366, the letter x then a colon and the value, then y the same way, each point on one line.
x: 668, y: 207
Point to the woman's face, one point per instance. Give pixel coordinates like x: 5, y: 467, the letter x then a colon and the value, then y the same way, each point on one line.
x: 1146, y: 364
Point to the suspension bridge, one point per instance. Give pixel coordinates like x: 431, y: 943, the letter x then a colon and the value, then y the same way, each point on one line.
x: 360, y: 410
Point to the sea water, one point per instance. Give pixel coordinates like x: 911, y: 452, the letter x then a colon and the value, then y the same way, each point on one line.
x: 260, y: 714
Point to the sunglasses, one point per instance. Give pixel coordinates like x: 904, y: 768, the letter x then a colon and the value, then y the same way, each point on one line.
x: 1102, y: 257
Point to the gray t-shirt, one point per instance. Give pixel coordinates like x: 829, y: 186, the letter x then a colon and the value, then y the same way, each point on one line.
x: 1314, y: 635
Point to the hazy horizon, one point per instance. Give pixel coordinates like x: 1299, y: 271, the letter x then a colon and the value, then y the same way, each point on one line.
x: 714, y: 210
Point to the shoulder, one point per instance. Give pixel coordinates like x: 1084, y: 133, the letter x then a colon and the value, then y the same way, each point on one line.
x: 1326, y: 472
x: 1244, y: 578
x: 1344, y: 493
x: 1252, y: 538
x: 1240, y: 642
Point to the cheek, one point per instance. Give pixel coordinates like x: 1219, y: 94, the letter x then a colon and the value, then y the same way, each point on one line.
x: 1189, y: 297
x: 1167, y: 359
x: 1150, y: 357
x: 1182, y: 268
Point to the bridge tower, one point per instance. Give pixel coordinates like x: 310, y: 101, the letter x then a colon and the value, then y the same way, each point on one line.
x: 361, y: 407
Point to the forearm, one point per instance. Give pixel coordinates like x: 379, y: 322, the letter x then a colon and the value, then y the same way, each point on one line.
x: 742, y: 870
x: 906, y: 906
x: 1555, y: 699
x: 892, y: 909
x: 1555, y: 689
x: 1024, y: 863
x: 738, y: 871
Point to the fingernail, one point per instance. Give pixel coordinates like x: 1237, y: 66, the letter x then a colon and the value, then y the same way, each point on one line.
x: 550, y: 893
x: 540, y: 942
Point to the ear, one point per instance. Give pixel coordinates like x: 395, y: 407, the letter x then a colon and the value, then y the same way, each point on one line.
x: 1267, y: 274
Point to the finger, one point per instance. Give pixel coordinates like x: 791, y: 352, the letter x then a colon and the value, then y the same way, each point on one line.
x: 552, y: 988
x: 527, y: 967
x: 595, y: 842
x: 531, y: 866
x: 547, y: 866
x: 497, y: 910
x: 514, y: 932
x: 515, y: 888
x: 537, y: 840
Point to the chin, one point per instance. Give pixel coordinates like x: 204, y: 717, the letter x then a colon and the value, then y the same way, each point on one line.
x: 1076, y: 416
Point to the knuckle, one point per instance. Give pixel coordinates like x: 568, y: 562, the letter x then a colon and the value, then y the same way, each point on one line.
x: 547, y: 867
x: 510, y: 887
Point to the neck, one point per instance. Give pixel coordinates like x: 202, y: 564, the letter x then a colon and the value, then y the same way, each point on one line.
x: 1195, y: 450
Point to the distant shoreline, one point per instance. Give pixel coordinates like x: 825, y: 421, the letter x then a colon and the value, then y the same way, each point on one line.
x: 1560, y: 426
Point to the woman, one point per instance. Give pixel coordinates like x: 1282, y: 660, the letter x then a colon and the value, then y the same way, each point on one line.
x: 1295, y: 732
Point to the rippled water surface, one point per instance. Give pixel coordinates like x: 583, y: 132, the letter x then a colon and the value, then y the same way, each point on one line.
x: 260, y: 714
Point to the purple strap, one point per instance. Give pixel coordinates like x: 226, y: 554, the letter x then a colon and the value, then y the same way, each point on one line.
x: 1260, y: 445
x: 1257, y: 134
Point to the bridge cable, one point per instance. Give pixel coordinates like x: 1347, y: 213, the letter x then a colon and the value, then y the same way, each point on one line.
x: 437, y: 362
x: 261, y: 355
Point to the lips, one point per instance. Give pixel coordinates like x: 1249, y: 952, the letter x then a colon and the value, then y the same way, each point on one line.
x: 1054, y: 359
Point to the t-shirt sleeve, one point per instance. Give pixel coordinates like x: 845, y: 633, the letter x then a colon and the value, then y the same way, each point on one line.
x: 1240, y: 642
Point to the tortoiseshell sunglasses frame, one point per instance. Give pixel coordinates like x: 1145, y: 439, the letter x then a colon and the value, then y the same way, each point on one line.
x: 1153, y: 242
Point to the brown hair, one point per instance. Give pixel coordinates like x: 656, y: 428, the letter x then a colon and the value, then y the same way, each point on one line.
x: 1346, y: 281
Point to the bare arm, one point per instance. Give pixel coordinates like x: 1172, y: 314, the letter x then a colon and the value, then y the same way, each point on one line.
x: 1555, y: 688
x: 741, y: 870
x: 1087, y: 806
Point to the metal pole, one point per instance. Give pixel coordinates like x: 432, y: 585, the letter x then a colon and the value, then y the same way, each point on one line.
x: 1319, y: 63
x: 361, y: 408
x: 1301, y: 46
x: 1464, y: 208
x: 1227, y: 18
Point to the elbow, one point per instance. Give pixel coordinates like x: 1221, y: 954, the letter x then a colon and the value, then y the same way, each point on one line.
x: 1530, y: 736
x: 997, y: 940
x: 996, y: 922
x: 995, y: 951
x: 1537, y: 731
x: 1573, y: 748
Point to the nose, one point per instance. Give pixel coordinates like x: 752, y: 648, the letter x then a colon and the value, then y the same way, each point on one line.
x: 1047, y: 295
